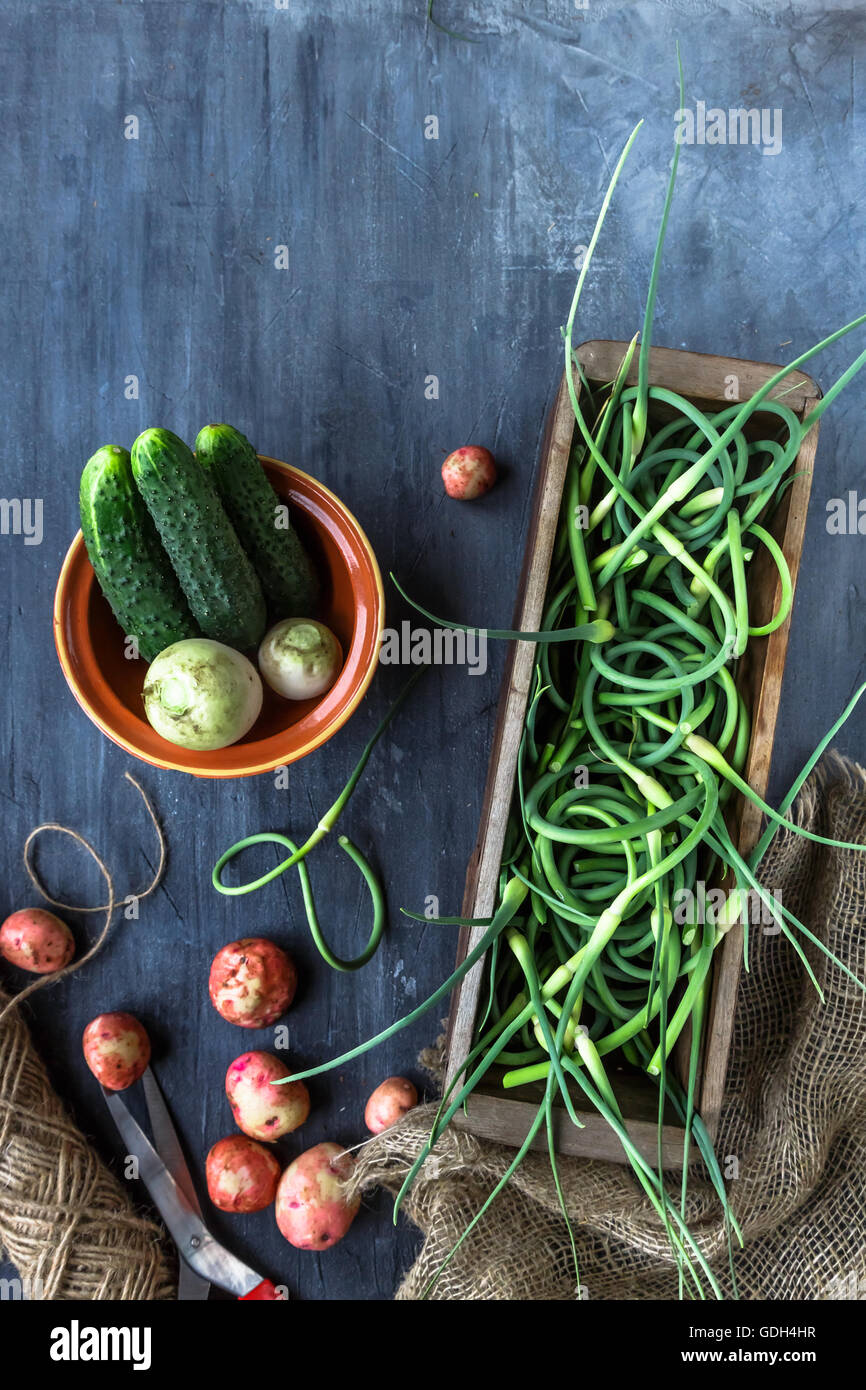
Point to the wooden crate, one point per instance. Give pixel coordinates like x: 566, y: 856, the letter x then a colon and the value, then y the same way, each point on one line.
x: 506, y: 1115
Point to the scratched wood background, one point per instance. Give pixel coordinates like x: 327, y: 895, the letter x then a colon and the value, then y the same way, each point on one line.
x: 261, y: 126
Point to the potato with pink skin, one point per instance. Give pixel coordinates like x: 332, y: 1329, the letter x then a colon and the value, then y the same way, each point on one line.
x: 468, y: 473
x: 389, y: 1103
x: 36, y: 940
x: 116, y: 1049
x: 312, y: 1210
x: 252, y: 982
x: 261, y: 1109
x: 241, y: 1175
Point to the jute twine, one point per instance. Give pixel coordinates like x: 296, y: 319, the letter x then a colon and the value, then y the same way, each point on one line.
x: 108, y: 908
x: 66, y: 1223
x: 793, y: 1129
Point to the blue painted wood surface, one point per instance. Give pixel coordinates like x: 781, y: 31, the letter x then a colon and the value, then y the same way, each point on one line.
x: 154, y: 257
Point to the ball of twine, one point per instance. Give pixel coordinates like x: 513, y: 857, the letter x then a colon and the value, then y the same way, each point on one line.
x: 66, y: 1223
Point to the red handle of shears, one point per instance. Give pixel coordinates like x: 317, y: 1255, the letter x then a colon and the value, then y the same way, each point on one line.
x: 264, y: 1290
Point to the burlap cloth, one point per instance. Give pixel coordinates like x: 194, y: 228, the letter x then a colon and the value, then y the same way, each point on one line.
x: 794, y: 1121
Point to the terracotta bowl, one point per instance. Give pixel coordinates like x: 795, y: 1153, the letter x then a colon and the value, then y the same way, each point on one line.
x: 108, y: 687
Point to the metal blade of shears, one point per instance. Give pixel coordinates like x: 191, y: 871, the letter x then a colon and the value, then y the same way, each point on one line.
x: 194, y: 1242
x: 190, y: 1286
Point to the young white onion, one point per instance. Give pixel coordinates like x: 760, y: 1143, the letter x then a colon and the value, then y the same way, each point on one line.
x: 300, y: 658
x: 201, y: 694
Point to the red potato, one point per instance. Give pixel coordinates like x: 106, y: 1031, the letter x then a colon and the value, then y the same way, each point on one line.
x: 468, y: 473
x: 262, y: 1110
x: 241, y: 1175
x: 389, y: 1103
x: 36, y: 940
x: 252, y: 982
x: 312, y: 1210
x: 116, y: 1049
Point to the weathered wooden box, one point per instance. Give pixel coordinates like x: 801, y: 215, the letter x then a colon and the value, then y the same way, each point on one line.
x: 506, y: 1115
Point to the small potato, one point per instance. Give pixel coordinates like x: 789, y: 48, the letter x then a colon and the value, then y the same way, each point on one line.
x: 36, y: 940
x: 389, y: 1103
x: 312, y: 1210
x: 262, y: 1110
x: 241, y: 1175
x: 116, y: 1049
x: 252, y: 982
x: 468, y: 473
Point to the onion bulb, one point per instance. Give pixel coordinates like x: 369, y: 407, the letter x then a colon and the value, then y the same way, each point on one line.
x: 300, y: 658
x: 201, y: 694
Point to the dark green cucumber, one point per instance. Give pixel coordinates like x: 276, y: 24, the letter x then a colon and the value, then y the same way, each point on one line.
x: 215, y: 573
x: 280, y: 560
x: 131, y: 567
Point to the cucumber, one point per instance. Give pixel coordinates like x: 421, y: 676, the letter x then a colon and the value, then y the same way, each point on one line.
x: 280, y: 560
x: 215, y: 573
x: 131, y: 567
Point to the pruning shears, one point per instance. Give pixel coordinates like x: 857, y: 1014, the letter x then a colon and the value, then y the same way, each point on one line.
x: 163, y: 1170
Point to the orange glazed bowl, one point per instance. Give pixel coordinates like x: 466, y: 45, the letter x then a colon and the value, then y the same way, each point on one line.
x: 108, y: 685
